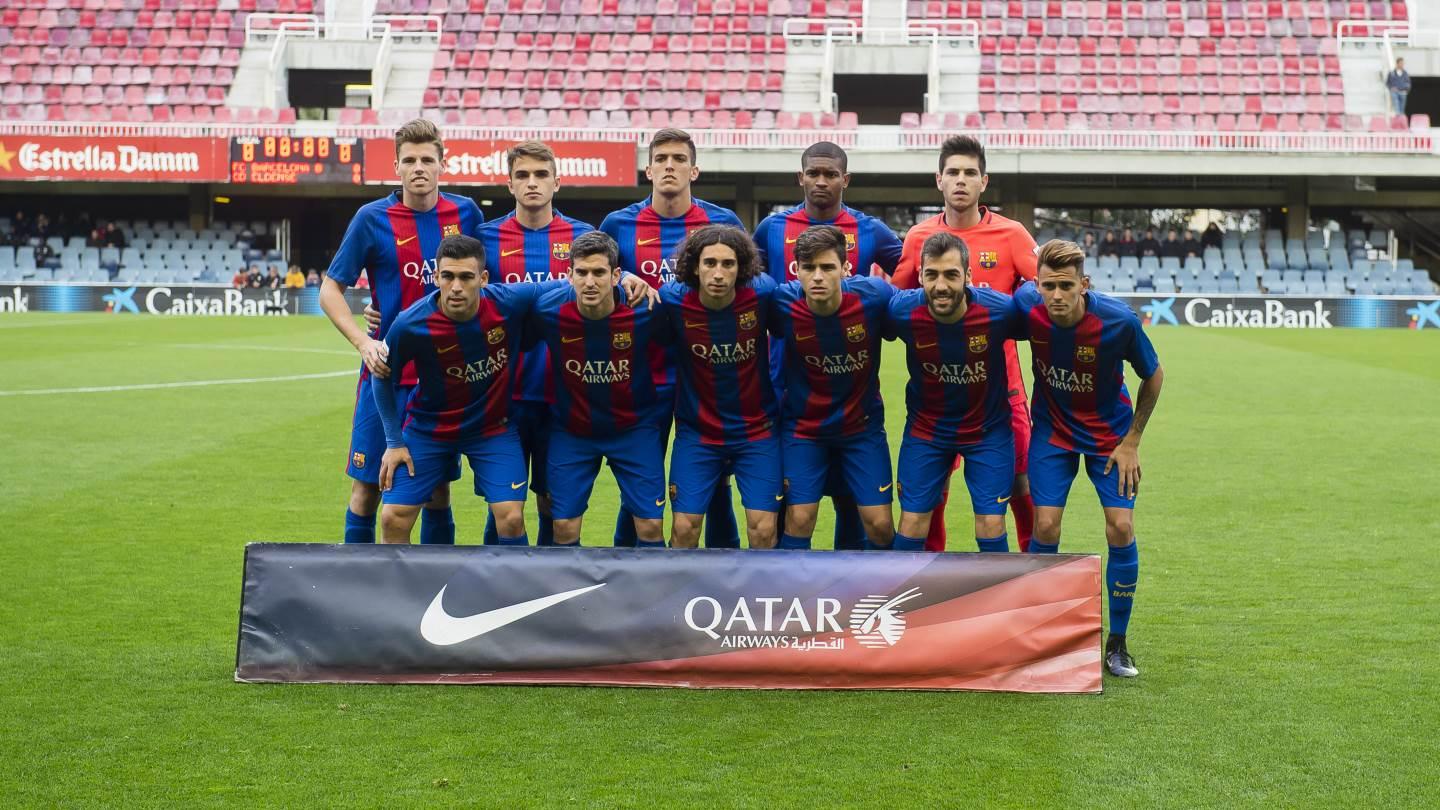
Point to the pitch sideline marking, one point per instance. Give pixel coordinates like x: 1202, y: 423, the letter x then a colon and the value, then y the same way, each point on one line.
x: 187, y: 384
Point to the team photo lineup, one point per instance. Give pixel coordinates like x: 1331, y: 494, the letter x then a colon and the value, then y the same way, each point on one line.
x: 685, y: 354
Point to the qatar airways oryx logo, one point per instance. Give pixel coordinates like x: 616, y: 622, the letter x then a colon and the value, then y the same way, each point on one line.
x: 875, y: 621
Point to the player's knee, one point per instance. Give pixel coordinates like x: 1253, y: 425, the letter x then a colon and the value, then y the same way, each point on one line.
x: 685, y: 530
x: 879, y: 523
x: 396, y: 521
x: 364, y: 497
x: 509, y: 518
x: 800, y: 519
x: 567, y: 531
x: 649, y: 529
x: 1119, y: 529
x: 989, y: 525
x: 1047, y: 524
x: 915, y: 524
x: 760, y: 529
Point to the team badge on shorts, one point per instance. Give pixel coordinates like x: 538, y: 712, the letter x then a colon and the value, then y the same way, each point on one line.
x: 495, y: 335
x: 748, y: 319
x: 1085, y: 354
x: 560, y: 251
x: 450, y: 230
x: 357, y: 460
x: 674, y: 490
x: 621, y: 340
x: 855, y: 333
x: 979, y: 343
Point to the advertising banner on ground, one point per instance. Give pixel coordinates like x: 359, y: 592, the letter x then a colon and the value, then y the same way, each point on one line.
x: 625, y: 617
x: 142, y: 159
x: 1286, y: 312
x: 581, y: 163
x: 167, y: 299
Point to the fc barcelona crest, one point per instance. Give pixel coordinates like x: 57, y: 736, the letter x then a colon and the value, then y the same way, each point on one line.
x: 849, y: 243
x: 452, y: 229
x: 495, y: 335
x: 748, y: 319
x: 855, y: 333
x: 621, y: 340
x: 560, y: 251
x: 988, y: 259
x: 979, y: 343
x: 357, y: 460
x: 1085, y: 354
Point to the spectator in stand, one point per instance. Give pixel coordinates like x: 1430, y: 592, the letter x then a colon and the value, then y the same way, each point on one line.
x: 312, y: 278
x: 1191, y: 245
x: 239, y: 280
x: 1213, y: 237
x: 1127, y: 244
x: 294, y: 279
x: 1092, y: 248
x: 43, y: 254
x: 1149, y: 246
x: 273, y: 281
x: 1172, y: 246
x: 96, y: 239
x: 1397, y: 82
x: 114, y: 237
x: 19, y: 229
x: 254, y: 279
x: 1108, y: 245
x: 42, y: 228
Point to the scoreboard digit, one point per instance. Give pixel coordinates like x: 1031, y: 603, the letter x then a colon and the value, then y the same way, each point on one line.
x: 288, y: 160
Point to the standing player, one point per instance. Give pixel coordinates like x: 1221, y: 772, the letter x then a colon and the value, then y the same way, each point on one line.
x: 391, y: 240
x: 1003, y: 257
x: 648, y: 233
x: 725, y: 414
x: 956, y: 402
x: 605, y: 400
x: 824, y: 175
x: 461, y: 339
x: 1080, y: 342
x: 832, y: 415
x: 531, y: 244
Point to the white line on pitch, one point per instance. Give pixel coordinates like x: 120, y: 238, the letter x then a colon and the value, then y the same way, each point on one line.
x: 188, y: 384
x: 251, y: 347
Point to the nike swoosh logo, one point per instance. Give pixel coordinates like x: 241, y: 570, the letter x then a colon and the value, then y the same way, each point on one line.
x: 643, y: 242
x: 690, y: 325
x: 571, y: 340
x: 1032, y: 340
x: 1123, y: 585
x: 517, y: 486
x: 450, y: 348
x: 505, y: 253
x: 886, y: 488
x: 442, y: 629
x: 791, y: 241
x: 927, y: 345
x: 1002, y: 500
x: 804, y: 337
x: 779, y: 497
x: 660, y: 502
x: 404, y: 242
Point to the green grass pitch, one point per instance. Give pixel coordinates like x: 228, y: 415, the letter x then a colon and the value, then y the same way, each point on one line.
x: 1285, y: 624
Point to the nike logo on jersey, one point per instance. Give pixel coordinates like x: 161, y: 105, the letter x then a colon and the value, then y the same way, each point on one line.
x: 571, y: 340
x: 790, y: 241
x: 643, y: 242
x: 694, y: 325
x: 517, y: 486
x: 1033, y: 340
x: 927, y: 345
x: 804, y: 337
x: 449, y: 348
x: 403, y: 242
x: 886, y: 488
x: 442, y: 629
x: 505, y: 253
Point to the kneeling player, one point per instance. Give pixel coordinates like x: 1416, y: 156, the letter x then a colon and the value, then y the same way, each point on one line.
x: 605, y: 403
x: 955, y: 402
x: 462, y: 339
x: 1080, y: 341
x: 725, y: 411
x: 832, y: 327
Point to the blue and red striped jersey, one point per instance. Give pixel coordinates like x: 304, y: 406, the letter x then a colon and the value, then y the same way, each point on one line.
x: 463, y: 367
x: 598, y: 367
x: 957, y: 391
x: 1080, y: 401
x: 395, y: 246
x: 647, y: 248
x: 868, y: 241
x: 723, y: 363
x: 832, y: 362
x: 514, y: 253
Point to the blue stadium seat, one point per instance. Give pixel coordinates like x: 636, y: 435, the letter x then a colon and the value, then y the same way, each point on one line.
x: 1335, y: 286
x: 1186, y: 280
x: 1123, y: 284
x: 1109, y: 262
x: 7, y: 256
x: 1150, y: 264
x: 1214, y: 264
x: 1275, y: 260
x: 1164, y: 284
x: 1194, y: 264
x: 1170, y: 264
x: 1385, y: 287
x: 1129, y: 264
x: 1405, y: 265
x: 1249, y: 284
x: 1317, y: 260
x: 1364, y: 287
x: 1229, y: 285
x: 1293, y: 277
x: 1314, y: 276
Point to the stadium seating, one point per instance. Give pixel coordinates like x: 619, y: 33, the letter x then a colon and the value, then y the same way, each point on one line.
x: 161, y: 251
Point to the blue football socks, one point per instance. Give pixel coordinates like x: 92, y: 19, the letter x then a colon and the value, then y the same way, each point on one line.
x: 359, y: 529
x: 720, y: 528
x: 437, y: 527
x: 1037, y: 547
x: 625, y: 529
x: 1000, y: 544
x: 522, y: 540
x: 790, y: 541
x: 1122, y: 574
x: 906, y: 543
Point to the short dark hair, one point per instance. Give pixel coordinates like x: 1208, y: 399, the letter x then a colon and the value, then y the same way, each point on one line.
x: 816, y: 240
x: 825, y: 149
x: 942, y: 242
x: 538, y: 150
x: 595, y: 243
x: 420, y: 130
x: 461, y: 246
x: 671, y: 135
x: 687, y: 258
x: 962, y: 145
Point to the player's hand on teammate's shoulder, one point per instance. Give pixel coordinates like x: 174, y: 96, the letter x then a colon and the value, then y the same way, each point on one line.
x: 390, y: 462
x: 1127, y: 457
x: 638, y: 291
x: 372, y: 318
x: 375, y: 353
